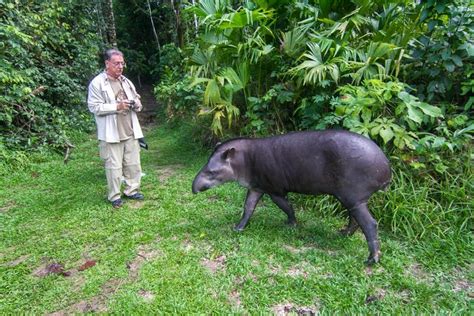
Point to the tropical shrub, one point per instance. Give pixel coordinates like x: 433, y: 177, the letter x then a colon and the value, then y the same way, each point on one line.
x: 273, y: 66
x: 442, y: 55
x: 45, y: 62
x: 308, y: 49
x: 174, y: 90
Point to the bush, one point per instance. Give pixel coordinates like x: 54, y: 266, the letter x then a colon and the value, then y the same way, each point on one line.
x: 174, y: 91
x: 46, y: 54
x: 442, y: 56
x: 378, y: 70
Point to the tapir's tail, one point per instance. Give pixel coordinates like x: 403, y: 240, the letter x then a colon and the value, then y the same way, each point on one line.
x: 386, y: 183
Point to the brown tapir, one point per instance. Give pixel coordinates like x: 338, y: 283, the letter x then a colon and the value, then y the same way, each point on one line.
x: 341, y: 163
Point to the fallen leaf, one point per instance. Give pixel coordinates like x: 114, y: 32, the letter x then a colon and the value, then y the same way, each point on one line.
x: 52, y: 268
x: 88, y: 264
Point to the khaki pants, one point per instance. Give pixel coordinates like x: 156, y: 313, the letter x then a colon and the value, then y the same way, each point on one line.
x: 121, y: 160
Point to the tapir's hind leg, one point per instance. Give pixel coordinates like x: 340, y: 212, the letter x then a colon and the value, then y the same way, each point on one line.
x: 350, y: 228
x: 368, y: 225
x: 283, y: 203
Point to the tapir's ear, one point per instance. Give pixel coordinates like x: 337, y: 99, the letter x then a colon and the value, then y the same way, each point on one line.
x: 228, y: 154
x: 218, y: 144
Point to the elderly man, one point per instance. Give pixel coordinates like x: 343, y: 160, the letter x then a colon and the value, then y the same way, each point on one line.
x: 113, y: 100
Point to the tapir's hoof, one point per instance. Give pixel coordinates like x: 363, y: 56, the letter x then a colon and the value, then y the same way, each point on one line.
x: 345, y: 232
x: 348, y: 231
x: 238, y: 228
x: 291, y: 223
x: 373, y: 259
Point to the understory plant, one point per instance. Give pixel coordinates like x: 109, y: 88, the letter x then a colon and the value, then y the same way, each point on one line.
x: 269, y: 67
x: 47, y: 55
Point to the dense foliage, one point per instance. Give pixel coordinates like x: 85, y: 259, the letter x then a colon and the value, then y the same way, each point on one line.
x: 397, y: 71
x: 48, y: 52
x: 145, y: 28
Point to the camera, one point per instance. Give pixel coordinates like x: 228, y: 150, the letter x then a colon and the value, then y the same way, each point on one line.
x: 131, y: 104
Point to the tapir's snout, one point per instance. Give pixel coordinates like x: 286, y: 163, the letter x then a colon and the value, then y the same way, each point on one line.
x: 197, y: 190
x: 199, y: 184
x: 195, y: 187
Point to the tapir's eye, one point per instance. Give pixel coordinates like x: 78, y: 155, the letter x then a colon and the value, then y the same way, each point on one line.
x: 211, y: 173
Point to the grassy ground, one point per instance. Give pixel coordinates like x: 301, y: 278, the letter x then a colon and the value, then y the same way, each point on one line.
x: 64, y: 249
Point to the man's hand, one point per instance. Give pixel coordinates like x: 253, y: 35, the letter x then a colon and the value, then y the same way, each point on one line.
x: 137, y: 107
x: 121, y: 106
x: 134, y: 105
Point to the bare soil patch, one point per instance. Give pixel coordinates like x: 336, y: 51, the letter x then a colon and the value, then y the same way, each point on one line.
x: 214, y: 265
x: 295, y: 250
x: 416, y: 270
x: 166, y: 172
x: 17, y: 261
x: 7, y: 207
x: 143, y: 255
x: 464, y: 286
x: 97, y: 304
x: 234, y: 298
x: 291, y: 309
x: 377, y: 296
x: 146, y: 295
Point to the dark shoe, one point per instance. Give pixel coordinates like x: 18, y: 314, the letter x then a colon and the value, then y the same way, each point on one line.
x: 136, y: 196
x: 117, y: 203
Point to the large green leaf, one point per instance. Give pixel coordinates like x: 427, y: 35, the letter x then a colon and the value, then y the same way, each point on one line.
x: 430, y: 110
x: 315, y: 68
x: 387, y: 134
x: 414, y: 114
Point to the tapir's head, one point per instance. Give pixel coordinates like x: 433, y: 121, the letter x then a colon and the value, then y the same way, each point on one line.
x: 218, y: 169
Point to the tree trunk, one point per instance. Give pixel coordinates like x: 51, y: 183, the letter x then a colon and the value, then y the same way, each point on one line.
x: 110, y: 21
x: 153, y: 26
x: 196, y: 25
x: 179, y: 26
x: 101, y: 26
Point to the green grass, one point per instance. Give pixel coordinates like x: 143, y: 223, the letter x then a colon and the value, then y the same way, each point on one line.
x: 176, y: 253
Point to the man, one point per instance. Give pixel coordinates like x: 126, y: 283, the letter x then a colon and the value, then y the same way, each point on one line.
x: 114, y: 101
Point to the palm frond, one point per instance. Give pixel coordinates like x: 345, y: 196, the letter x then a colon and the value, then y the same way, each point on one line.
x: 244, y: 73
x: 293, y: 41
x: 229, y: 77
x: 315, y: 68
x: 244, y: 17
x: 203, y: 62
x: 210, y: 7
x: 212, y: 94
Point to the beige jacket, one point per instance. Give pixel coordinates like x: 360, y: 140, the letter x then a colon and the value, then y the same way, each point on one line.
x: 101, y: 102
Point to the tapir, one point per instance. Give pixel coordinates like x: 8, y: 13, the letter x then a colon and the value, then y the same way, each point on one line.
x: 346, y: 165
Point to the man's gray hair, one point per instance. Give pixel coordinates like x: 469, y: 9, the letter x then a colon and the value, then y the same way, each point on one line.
x: 110, y: 52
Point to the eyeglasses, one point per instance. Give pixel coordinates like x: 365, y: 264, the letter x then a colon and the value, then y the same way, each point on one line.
x: 118, y: 63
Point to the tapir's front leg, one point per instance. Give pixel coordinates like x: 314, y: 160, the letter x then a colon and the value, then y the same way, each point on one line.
x: 250, y: 202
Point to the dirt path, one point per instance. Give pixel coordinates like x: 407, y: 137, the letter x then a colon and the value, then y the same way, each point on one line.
x: 150, y: 106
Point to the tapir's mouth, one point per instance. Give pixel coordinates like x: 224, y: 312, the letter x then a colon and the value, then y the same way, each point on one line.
x: 200, y: 189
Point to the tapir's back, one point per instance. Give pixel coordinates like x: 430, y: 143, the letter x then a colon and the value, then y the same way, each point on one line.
x: 333, y: 161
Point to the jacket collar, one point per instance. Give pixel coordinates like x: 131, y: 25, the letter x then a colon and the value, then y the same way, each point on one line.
x: 106, y: 77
